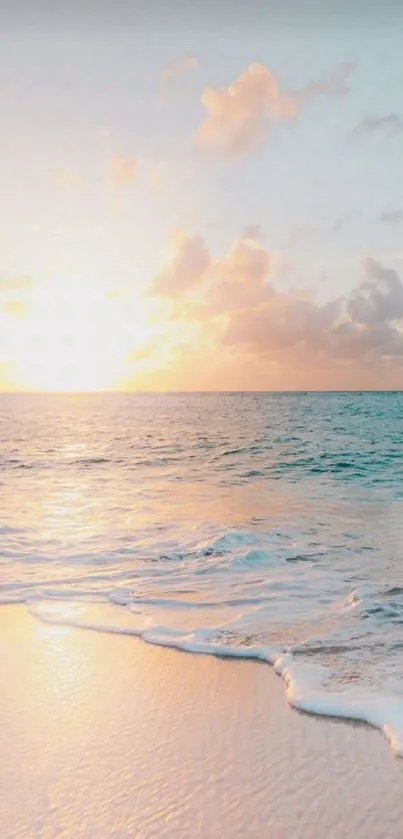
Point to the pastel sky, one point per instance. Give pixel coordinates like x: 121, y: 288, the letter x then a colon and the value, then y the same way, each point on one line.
x: 201, y: 196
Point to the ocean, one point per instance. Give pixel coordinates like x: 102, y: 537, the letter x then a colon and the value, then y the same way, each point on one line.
x: 258, y: 525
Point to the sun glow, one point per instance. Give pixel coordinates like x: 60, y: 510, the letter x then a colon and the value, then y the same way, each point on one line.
x: 75, y: 339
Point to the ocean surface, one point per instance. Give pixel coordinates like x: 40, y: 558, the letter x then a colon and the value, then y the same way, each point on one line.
x: 265, y: 525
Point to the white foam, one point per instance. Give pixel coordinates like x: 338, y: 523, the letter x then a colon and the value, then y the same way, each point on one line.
x: 306, y: 684
x: 306, y: 691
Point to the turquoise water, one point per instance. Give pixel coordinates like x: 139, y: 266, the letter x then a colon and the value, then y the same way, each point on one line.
x: 239, y: 524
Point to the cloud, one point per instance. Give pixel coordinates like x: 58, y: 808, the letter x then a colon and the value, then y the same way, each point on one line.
x: 379, y: 299
x: 240, y: 279
x: 389, y: 124
x: 176, y: 67
x: 187, y: 268
x: 238, y: 115
x: 238, y: 306
x: 123, y: 170
x: 246, y: 262
x: 392, y: 216
x: 284, y: 322
x: 228, y: 284
x: 364, y: 327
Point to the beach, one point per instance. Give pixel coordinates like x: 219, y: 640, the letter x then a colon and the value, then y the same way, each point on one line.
x: 107, y: 736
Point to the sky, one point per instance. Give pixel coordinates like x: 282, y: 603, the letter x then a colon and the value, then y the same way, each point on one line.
x: 201, y: 196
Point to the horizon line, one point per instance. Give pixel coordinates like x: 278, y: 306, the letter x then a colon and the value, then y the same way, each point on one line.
x: 193, y: 392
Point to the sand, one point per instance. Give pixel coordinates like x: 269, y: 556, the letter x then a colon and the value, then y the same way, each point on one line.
x: 105, y: 736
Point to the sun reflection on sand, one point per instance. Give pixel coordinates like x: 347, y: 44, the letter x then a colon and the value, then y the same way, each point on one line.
x: 61, y: 654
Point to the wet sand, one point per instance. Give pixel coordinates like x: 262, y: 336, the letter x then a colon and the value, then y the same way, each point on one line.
x: 104, y: 736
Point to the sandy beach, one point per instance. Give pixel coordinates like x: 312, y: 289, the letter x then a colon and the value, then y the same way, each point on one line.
x: 106, y: 736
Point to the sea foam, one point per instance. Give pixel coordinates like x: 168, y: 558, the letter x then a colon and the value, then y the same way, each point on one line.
x: 306, y: 684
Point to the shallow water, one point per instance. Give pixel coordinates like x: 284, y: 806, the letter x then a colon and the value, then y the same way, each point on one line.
x: 241, y: 524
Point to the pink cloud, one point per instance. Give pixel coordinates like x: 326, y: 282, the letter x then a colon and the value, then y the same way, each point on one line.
x: 240, y: 278
x: 364, y: 327
x: 239, y: 307
x: 238, y: 115
x: 186, y: 270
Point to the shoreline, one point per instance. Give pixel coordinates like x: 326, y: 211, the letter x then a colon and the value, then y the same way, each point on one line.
x: 104, y: 735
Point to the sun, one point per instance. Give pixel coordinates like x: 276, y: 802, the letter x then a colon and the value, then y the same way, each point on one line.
x: 76, y: 339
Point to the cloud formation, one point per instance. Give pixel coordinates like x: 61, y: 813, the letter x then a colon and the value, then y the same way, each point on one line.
x: 364, y: 327
x: 187, y: 269
x: 239, y: 304
x: 238, y: 115
x: 379, y: 298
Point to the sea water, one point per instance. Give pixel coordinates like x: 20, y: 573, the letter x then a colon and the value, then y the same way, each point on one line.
x: 267, y: 526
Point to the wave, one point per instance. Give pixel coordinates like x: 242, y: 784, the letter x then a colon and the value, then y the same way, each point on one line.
x: 307, y: 685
